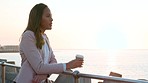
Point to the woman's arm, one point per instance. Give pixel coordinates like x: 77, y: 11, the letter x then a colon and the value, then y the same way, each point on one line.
x: 33, y: 56
x: 52, y: 59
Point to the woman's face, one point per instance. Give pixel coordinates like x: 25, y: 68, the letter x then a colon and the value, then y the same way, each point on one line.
x: 46, y: 21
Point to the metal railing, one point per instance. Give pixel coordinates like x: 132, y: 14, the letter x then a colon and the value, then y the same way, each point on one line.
x: 77, y: 75
x: 3, y: 69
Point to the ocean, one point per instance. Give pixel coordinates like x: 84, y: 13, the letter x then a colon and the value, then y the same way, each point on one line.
x: 131, y: 63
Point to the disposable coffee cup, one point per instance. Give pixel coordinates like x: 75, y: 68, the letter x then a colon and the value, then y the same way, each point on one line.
x: 78, y: 56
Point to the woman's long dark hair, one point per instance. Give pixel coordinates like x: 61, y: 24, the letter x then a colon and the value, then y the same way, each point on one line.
x: 34, y: 23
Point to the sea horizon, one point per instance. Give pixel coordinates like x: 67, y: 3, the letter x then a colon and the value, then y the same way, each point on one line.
x: 132, y: 64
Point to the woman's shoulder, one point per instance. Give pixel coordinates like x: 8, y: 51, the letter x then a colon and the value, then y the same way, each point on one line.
x: 28, y: 33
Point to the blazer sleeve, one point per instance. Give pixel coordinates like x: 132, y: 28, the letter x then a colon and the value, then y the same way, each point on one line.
x: 53, y: 59
x: 28, y: 46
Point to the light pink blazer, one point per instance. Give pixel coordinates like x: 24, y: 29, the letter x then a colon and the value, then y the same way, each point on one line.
x: 32, y: 62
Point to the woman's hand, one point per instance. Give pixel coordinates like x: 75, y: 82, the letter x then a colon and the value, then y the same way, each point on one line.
x: 39, y: 78
x: 74, y: 64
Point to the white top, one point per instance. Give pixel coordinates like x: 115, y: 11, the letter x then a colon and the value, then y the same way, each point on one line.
x: 46, y: 51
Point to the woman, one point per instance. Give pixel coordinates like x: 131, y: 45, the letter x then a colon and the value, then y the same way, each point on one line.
x: 38, y: 60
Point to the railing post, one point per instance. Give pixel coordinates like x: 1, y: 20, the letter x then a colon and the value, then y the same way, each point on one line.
x: 3, y: 72
x: 76, y: 76
x: 76, y: 80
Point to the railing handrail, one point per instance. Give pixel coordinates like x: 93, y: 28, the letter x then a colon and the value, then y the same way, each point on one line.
x: 9, y: 65
x: 77, y: 74
x: 101, y: 77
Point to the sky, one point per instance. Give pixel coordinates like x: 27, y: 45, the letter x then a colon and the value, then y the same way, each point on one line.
x: 81, y: 24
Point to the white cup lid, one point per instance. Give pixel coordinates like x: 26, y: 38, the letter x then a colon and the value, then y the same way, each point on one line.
x: 79, y: 56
